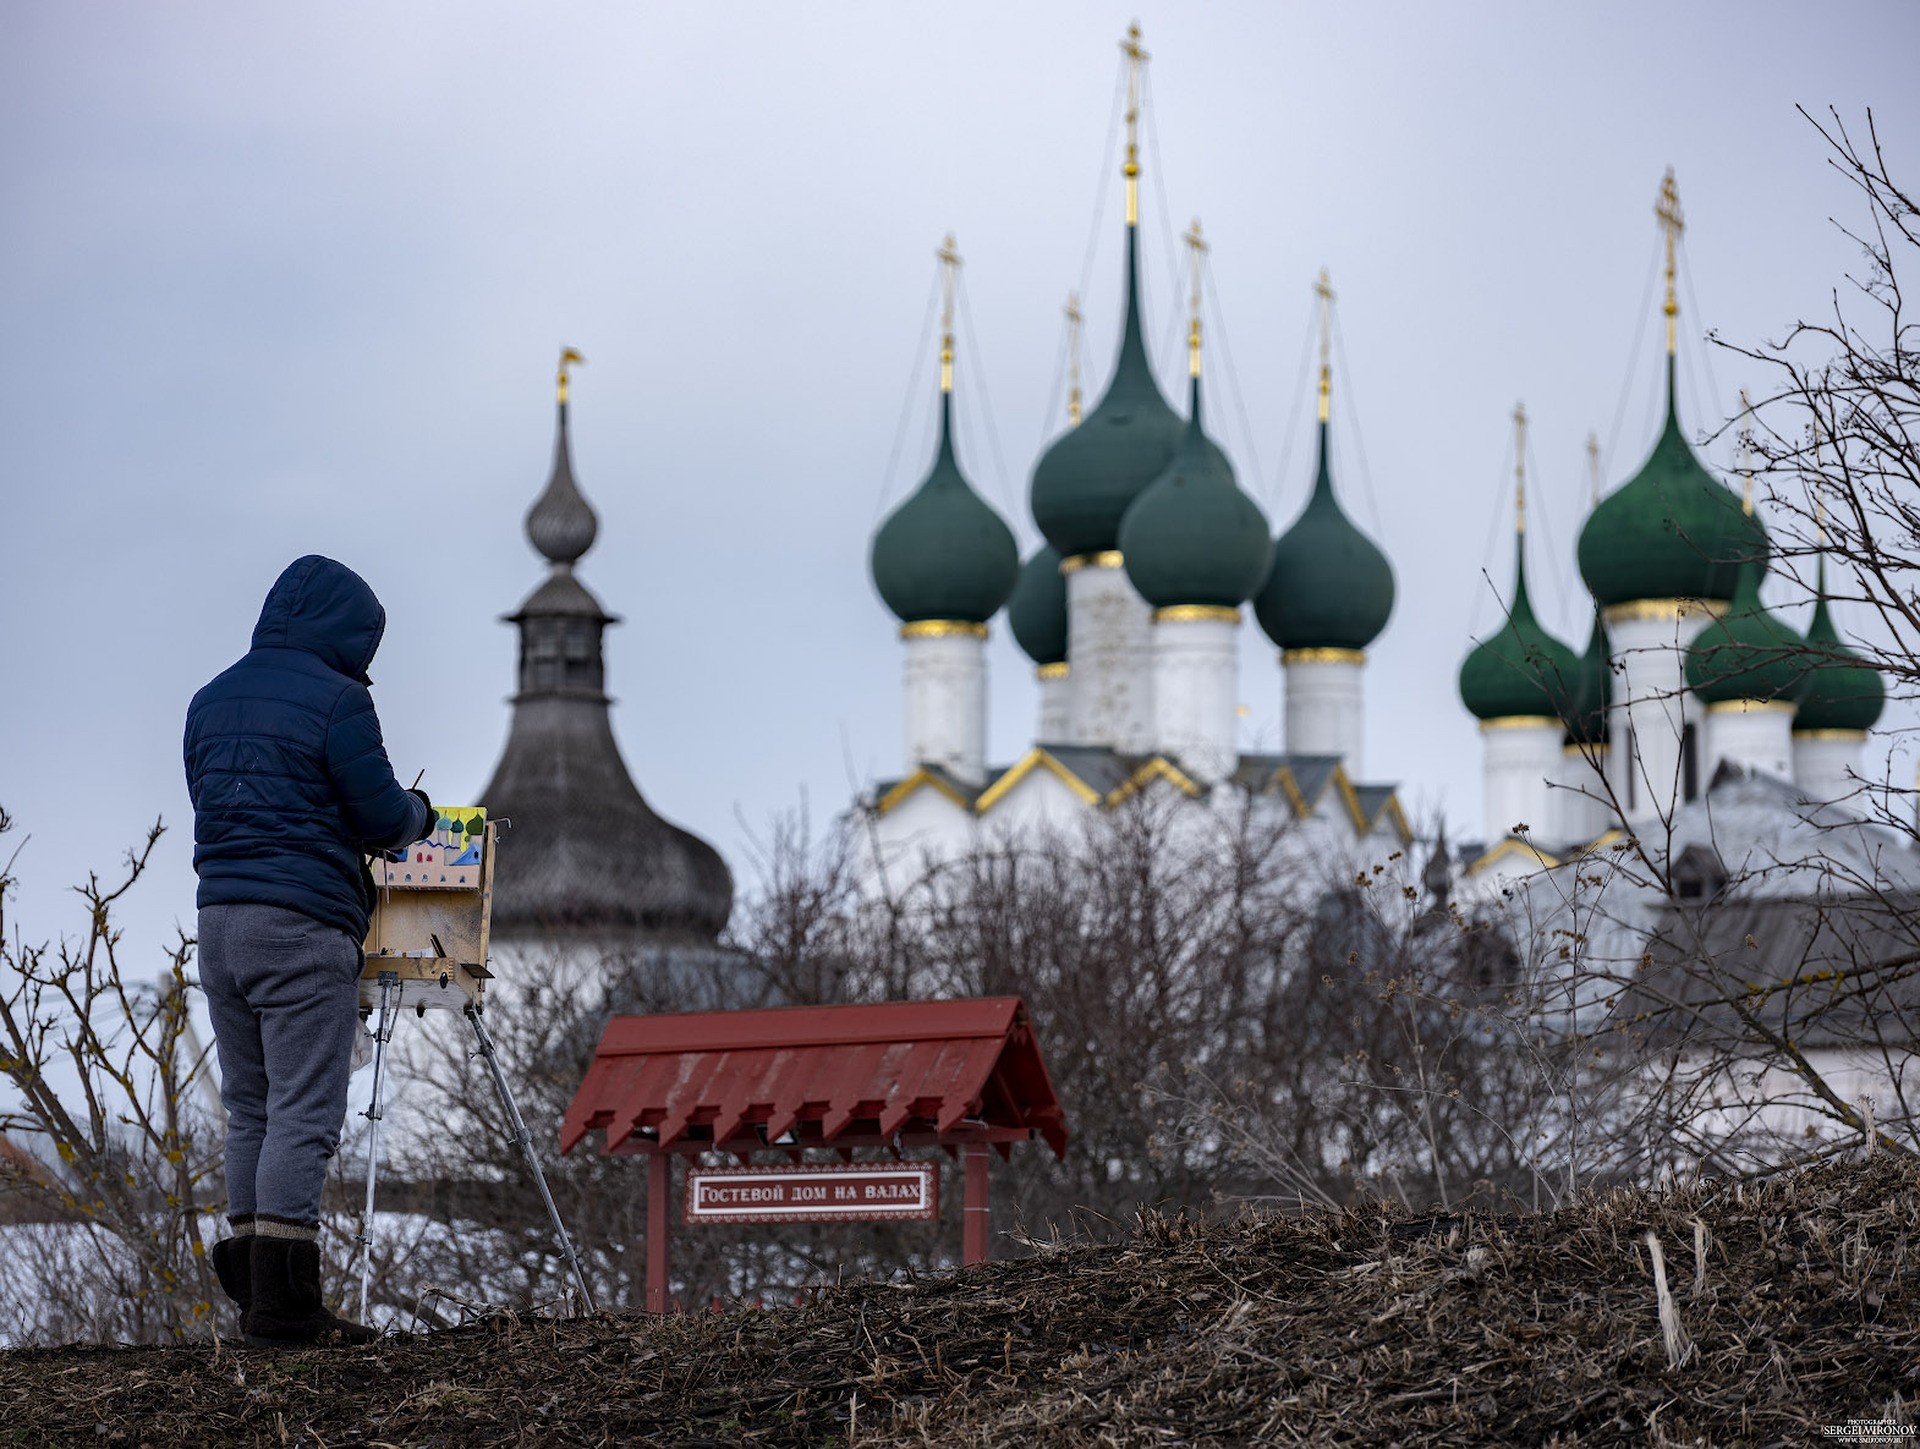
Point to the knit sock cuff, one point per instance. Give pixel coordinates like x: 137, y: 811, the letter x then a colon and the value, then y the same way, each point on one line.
x: 241, y: 1225
x: 267, y: 1226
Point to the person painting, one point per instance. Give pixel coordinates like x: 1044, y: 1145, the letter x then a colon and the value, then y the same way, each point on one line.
x: 291, y: 791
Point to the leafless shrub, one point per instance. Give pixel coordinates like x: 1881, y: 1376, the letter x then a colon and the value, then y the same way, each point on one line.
x: 106, y: 1070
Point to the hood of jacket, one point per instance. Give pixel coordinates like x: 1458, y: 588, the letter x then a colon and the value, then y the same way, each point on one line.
x: 321, y: 606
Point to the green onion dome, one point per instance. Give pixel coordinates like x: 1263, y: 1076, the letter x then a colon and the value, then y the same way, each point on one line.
x: 1038, y: 609
x: 1084, y: 483
x: 1592, y: 689
x: 944, y: 554
x: 1749, y: 654
x: 1672, y: 531
x: 1193, y: 537
x: 1839, y: 692
x: 1522, y: 669
x: 1329, y: 586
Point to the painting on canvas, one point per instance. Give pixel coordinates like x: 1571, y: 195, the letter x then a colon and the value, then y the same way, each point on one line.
x: 449, y: 859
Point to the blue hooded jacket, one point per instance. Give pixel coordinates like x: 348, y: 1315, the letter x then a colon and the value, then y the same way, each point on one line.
x: 290, y: 782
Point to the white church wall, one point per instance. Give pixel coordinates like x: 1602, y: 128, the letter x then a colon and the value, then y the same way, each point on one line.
x: 1826, y: 763
x: 1326, y: 704
x: 926, y: 827
x: 1109, y: 641
x: 944, y: 688
x: 1750, y: 734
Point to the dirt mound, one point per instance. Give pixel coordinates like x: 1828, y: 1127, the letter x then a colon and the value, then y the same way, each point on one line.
x: 1794, y: 1307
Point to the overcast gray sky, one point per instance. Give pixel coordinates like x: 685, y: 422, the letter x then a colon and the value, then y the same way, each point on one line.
x: 293, y: 278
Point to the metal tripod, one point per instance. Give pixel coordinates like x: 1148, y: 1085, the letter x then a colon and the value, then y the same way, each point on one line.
x: 383, y: 1034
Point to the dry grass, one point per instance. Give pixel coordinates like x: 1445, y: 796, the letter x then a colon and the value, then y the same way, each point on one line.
x: 1798, y: 1297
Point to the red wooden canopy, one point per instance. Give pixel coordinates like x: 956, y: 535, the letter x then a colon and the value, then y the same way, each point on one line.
x: 899, y: 1074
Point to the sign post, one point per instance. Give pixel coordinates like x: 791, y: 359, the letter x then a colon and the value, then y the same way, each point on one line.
x: 963, y: 1076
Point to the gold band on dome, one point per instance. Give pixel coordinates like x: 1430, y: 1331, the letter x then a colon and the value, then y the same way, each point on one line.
x: 1751, y: 706
x: 1599, y: 747
x: 943, y: 629
x: 1851, y: 737
x: 1323, y: 656
x: 1061, y: 669
x: 1520, y: 722
x: 1196, y: 613
x: 1664, y: 610
x: 1108, y: 558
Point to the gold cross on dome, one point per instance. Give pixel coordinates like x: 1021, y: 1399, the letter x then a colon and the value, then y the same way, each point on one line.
x: 1520, y: 467
x: 1136, y: 63
x: 1667, y: 210
x: 1197, y: 251
x: 1074, y: 320
x: 1323, y: 289
x: 949, y: 268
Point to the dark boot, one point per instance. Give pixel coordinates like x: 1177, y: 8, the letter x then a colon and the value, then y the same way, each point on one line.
x: 233, y: 1266
x: 288, y: 1311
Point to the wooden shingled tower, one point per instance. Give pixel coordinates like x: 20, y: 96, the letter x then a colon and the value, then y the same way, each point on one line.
x: 584, y: 856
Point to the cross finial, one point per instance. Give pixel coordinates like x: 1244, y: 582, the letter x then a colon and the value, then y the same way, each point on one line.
x: 568, y: 358
x: 1323, y: 289
x: 1667, y: 209
x: 1074, y: 320
x: 1746, y: 450
x: 1519, y: 467
x: 1196, y: 253
x: 1593, y: 466
x: 1136, y: 65
x: 949, y: 269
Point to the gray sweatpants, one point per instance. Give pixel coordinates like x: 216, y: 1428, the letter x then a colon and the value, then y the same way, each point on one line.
x: 281, y: 989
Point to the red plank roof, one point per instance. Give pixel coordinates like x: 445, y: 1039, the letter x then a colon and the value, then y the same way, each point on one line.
x: 905, y: 1073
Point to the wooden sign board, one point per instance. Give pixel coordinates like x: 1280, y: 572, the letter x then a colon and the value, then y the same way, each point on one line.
x: 859, y: 1192
x: 432, y: 915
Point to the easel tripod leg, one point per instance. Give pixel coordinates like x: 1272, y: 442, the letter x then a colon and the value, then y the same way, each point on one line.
x: 389, y: 984
x: 526, y: 1150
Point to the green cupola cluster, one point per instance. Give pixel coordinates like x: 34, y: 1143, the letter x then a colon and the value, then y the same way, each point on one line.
x: 1193, y: 538
x: 1672, y: 531
x: 1521, y: 671
x: 1329, y: 586
x: 1593, y: 688
x: 944, y: 554
x: 1084, y: 483
x: 1749, y: 654
x: 1839, y: 692
x: 1037, y: 612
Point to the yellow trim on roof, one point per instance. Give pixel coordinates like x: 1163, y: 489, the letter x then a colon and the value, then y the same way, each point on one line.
x: 1290, y: 787
x: 1513, y: 845
x: 898, y: 794
x: 1349, y: 797
x: 1158, y: 768
x: 1612, y: 835
x: 1035, y: 759
x: 1397, y: 818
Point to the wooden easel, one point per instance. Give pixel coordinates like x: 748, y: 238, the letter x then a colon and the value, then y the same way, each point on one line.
x: 427, y: 948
